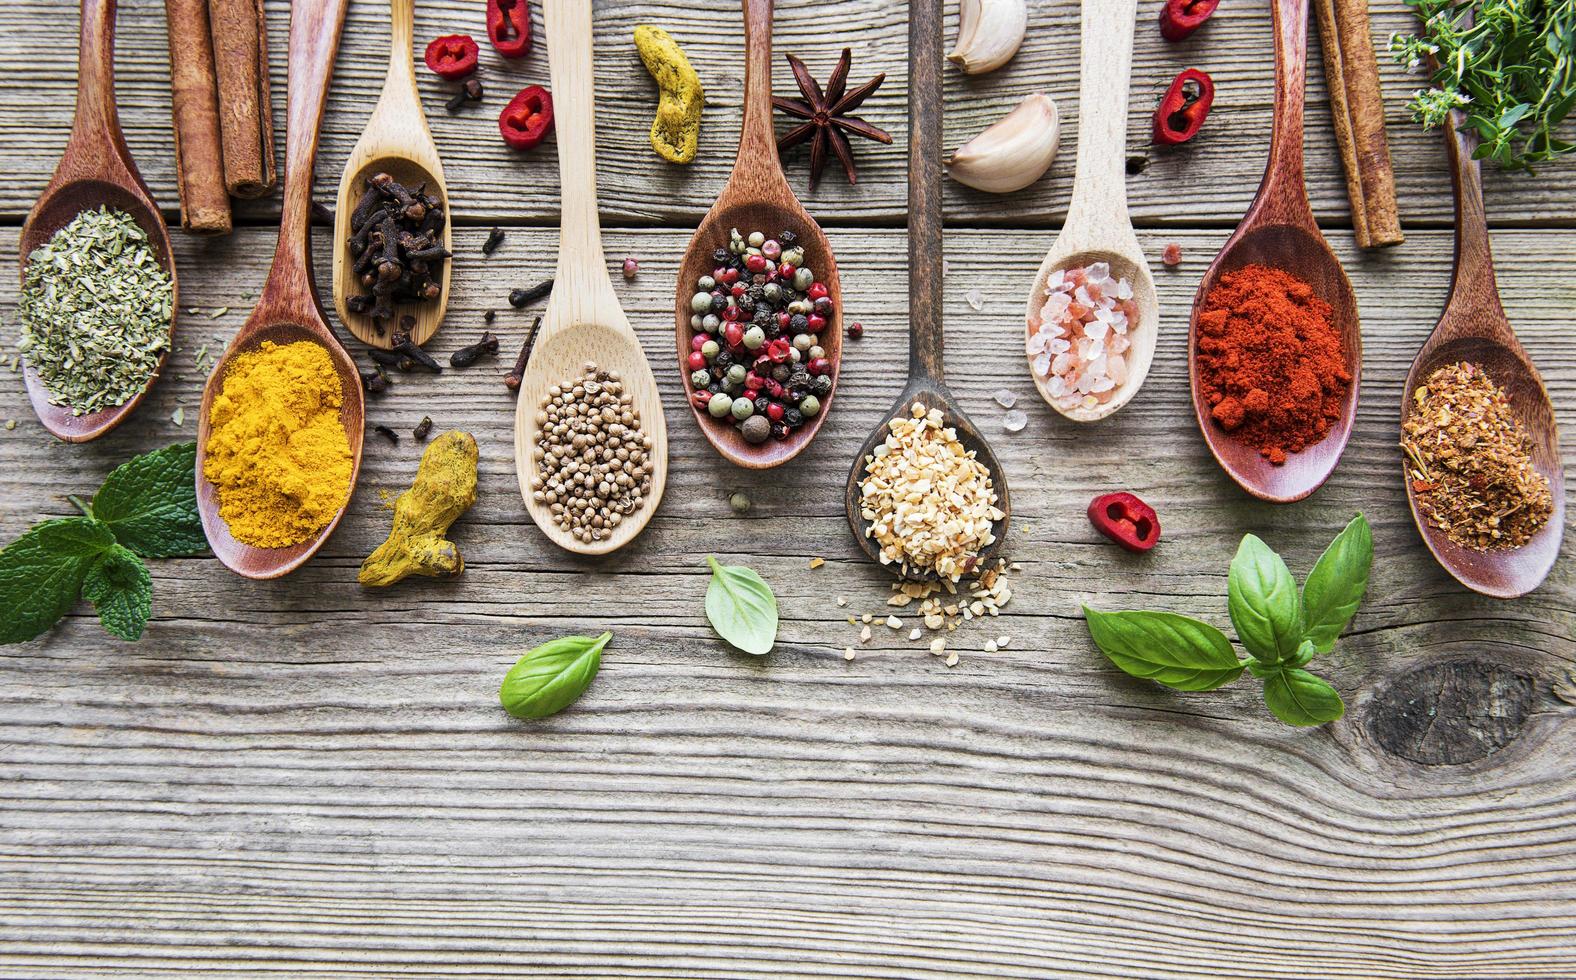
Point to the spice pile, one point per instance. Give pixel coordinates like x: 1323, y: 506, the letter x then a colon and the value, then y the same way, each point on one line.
x: 930, y: 502
x: 1080, y: 346
x: 1471, y: 461
x: 96, y: 311
x: 592, y: 467
x: 1271, y: 363
x: 755, y: 355
x: 942, y: 609
x: 397, y: 241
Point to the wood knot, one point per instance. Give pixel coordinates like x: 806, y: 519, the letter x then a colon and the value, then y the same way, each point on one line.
x: 1451, y: 713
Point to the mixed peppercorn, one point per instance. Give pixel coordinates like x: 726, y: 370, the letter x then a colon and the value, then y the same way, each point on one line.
x: 756, y: 359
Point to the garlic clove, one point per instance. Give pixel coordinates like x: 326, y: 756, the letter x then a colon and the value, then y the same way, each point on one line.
x: 989, y: 33
x: 1011, y: 153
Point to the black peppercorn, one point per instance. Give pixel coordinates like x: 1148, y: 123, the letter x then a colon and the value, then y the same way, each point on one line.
x: 761, y: 402
x: 714, y: 387
x: 782, y: 372
x: 724, y: 359
x: 798, y: 323
x: 823, y: 305
x: 793, y: 418
x: 779, y: 430
x: 787, y: 239
x: 800, y: 378
x: 719, y: 302
x: 822, y: 385
x: 722, y: 256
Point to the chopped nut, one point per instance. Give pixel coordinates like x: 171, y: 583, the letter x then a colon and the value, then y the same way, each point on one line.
x: 1002, y: 641
x: 894, y: 622
x: 937, y: 645
x: 952, y: 659
x: 848, y: 653
x: 817, y: 562
x: 914, y: 633
x: 934, y: 621
x: 842, y: 600
x: 990, y: 646
x: 867, y: 618
x: 864, y: 635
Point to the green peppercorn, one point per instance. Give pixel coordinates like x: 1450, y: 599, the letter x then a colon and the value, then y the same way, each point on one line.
x: 815, y: 351
x: 707, y: 283
x: 809, y: 406
x: 771, y: 292
x: 736, y: 373
x: 695, y: 322
x: 757, y: 239
x: 803, y: 342
x: 701, y: 378
x: 720, y: 405
x: 754, y: 338
x: 710, y: 322
x: 802, y: 278
x: 793, y: 256
x: 739, y: 502
x: 701, y: 302
x: 742, y: 408
x: 709, y: 350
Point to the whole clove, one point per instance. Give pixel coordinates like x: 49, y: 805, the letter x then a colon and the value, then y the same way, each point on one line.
x: 386, y: 358
x: 512, y: 381
x: 471, y: 91
x: 387, y: 433
x: 397, y: 240
x: 374, y: 381
x: 466, y: 356
x: 519, y: 298
x: 490, y: 316
x: 423, y: 428
x: 494, y: 239
x: 404, y: 346
x: 322, y: 214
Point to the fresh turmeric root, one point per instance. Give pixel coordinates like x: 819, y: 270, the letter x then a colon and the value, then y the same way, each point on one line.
x: 445, y: 488
x: 675, y: 132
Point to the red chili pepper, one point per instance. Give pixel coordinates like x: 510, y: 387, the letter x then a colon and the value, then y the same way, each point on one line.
x: 452, y: 56
x: 527, y: 118
x: 1126, y: 520
x: 1179, y: 18
x: 1179, y: 115
x: 509, y: 27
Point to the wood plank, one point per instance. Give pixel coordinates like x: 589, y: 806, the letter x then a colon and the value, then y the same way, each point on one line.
x: 1210, y: 181
x: 308, y: 778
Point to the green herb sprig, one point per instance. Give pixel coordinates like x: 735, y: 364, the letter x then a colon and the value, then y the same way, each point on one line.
x: 1509, y: 64
x: 1281, y: 630
x: 551, y: 677
x: 147, y: 508
x: 741, y: 607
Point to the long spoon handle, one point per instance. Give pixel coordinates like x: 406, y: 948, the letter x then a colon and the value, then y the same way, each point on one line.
x: 400, y: 82
x: 1099, y: 198
x: 757, y: 138
x: 315, y: 26
x: 97, y: 123
x: 925, y: 286
x: 1472, y: 284
x: 1283, y: 194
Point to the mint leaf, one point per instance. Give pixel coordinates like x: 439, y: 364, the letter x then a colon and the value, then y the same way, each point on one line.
x: 1336, y: 584
x: 1173, y: 650
x: 1262, y: 600
x: 150, y: 503
x: 41, y: 574
x: 119, y: 587
x: 1300, y: 698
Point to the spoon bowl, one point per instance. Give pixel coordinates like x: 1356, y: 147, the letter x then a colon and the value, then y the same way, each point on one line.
x: 758, y: 198
x: 95, y: 170
x: 1279, y: 231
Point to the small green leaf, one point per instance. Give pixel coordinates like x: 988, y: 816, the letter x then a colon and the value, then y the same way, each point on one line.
x: 1173, y: 650
x: 551, y: 677
x: 1300, y: 698
x: 1336, y: 584
x: 1262, y: 599
x: 741, y: 607
x: 120, y: 588
x: 41, y: 574
x: 150, y: 502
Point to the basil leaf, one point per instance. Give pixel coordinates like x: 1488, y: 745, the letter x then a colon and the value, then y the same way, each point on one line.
x: 1336, y: 584
x: 41, y: 574
x: 150, y: 502
x: 741, y: 607
x: 1173, y: 650
x: 1262, y: 599
x: 551, y: 677
x: 120, y: 588
x: 1300, y: 698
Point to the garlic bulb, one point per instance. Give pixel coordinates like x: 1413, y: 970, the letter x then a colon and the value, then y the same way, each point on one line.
x: 989, y: 32
x: 1013, y: 152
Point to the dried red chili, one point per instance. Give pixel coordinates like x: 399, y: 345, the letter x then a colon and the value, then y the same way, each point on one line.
x: 452, y: 56
x: 1125, y: 519
x: 527, y: 118
x: 1179, y: 18
x: 1182, y: 110
x: 509, y: 27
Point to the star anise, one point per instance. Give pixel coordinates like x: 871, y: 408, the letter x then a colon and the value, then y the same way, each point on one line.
x: 826, y: 115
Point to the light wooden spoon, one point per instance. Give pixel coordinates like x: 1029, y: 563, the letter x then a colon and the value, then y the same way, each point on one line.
x: 1474, y: 328
x: 925, y: 285
x: 583, y: 322
x: 1098, y: 228
x: 396, y: 141
x: 1279, y: 231
x: 95, y: 170
x: 288, y: 309
x: 758, y: 198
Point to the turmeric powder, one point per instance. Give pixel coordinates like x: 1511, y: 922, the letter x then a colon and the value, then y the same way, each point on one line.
x: 277, y: 452
x: 445, y: 488
x: 675, y: 132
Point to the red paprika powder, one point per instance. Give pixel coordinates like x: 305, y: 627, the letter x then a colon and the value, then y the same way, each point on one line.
x: 1271, y: 364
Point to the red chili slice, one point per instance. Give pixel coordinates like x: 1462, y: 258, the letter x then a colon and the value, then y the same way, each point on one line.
x: 1179, y: 18
x: 527, y: 118
x: 1180, y: 112
x: 452, y: 56
x: 1125, y: 519
x: 509, y: 27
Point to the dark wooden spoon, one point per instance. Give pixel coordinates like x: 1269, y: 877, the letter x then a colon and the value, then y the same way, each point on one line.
x: 925, y: 283
x: 1279, y: 231
x: 758, y: 198
x: 288, y: 309
x: 96, y: 169
x: 1474, y: 328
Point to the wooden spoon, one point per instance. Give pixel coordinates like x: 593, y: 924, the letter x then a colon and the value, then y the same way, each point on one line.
x: 397, y: 142
x: 1098, y: 228
x: 1279, y: 231
x: 1474, y: 328
x: 95, y: 170
x: 288, y: 310
x: 583, y: 322
x: 758, y: 198
x: 925, y: 283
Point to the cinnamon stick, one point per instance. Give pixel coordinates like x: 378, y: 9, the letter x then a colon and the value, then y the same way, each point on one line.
x: 245, y: 117
x: 1351, y: 72
x: 199, y: 158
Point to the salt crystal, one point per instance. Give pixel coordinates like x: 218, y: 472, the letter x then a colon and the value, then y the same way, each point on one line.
x: 976, y: 300
x: 1124, y: 290
x: 1059, y: 345
x: 1042, y: 363
x: 1055, y: 306
x: 1104, y: 383
x: 1037, y: 342
x: 1096, y: 330
x: 1116, y: 368
x: 1057, y: 386
x: 1082, y: 298
x: 1055, y: 280
x: 1061, y: 362
x: 1006, y: 399
x: 1014, y: 421
x: 1097, y: 271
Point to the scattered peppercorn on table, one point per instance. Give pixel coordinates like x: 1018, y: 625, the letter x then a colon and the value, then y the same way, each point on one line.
x: 314, y: 778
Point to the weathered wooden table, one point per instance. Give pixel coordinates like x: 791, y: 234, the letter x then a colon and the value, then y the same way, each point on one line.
x: 307, y: 778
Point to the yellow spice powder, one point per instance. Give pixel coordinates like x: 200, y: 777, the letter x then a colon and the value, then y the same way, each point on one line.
x: 276, y: 449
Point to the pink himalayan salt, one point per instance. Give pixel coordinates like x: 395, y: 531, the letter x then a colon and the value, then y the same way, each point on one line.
x: 1080, y: 344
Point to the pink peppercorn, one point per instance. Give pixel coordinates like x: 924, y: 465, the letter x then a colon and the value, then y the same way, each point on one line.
x: 1172, y: 256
